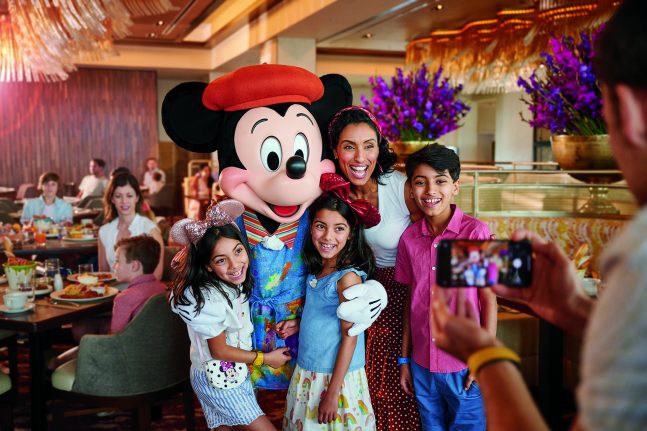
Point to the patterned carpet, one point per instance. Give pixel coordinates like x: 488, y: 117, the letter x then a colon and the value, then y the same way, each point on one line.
x: 172, y: 417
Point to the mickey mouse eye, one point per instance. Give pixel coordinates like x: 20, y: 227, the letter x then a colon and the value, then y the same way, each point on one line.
x: 271, y: 153
x: 301, y: 146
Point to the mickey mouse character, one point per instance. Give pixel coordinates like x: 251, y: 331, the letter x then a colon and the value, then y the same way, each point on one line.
x: 266, y: 123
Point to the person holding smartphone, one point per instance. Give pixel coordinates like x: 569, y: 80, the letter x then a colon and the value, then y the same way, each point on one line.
x: 613, y: 382
x: 446, y: 393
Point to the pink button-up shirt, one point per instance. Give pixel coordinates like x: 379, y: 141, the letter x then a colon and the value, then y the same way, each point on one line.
x: 130, y: 301
x: 415, y: 266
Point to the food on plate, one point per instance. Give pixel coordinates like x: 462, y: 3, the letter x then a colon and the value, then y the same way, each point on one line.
x: 18, y: 261
x: 88, y: 279
x: 83, y: 291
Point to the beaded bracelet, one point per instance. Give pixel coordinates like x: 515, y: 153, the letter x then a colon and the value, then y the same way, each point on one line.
x: 486, y: 355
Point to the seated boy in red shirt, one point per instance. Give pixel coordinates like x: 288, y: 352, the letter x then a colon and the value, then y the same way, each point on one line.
x: 136, y: 260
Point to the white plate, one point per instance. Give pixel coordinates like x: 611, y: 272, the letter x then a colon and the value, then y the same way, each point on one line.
x: 52, y: 235
x: 67, y: 238
x: 6, y: 310
x: 101, y: 277
x: 41, y: 292
x: 110, y: 292
x: 3, y: 279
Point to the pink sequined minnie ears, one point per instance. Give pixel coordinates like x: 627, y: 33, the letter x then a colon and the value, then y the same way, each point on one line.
x: 365, y: 211
x: 188, y: 230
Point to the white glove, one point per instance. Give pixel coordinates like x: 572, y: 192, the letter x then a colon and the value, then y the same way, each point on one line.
x: 365, y: 303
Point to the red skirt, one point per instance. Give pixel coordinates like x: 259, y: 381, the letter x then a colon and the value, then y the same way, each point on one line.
x: 394, y: 410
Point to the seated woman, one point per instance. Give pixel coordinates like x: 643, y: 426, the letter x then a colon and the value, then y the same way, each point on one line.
x: 123, y: 216
x: 47, y: 204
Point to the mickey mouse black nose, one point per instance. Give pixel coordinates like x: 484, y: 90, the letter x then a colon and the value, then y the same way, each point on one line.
x: 296, y: 167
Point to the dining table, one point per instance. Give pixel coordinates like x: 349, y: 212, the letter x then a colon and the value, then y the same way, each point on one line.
x: 78, y: 214
x: 46, y: 316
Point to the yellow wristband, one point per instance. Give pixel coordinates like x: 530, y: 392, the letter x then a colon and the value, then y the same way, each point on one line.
x: 260, y: 357
x: 478, y: 359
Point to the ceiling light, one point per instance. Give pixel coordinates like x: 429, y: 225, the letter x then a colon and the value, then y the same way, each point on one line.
x: 367, y: 35
x: 152, y: 34
x: 159, y: 23
x: 439, y: 7
x: 41, y: 40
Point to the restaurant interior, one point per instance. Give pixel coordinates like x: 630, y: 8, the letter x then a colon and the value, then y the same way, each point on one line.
x: 72, y: 99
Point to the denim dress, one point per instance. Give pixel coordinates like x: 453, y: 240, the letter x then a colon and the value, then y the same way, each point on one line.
x: 319, y: 340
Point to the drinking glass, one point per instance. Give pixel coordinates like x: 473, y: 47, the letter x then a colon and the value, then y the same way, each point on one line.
x: 86, y: 268
x: 40, y: 238
x: 52, y: 267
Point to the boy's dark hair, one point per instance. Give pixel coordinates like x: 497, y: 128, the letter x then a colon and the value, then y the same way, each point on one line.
x: 118, y: 171
x: 100, y: 162
x: 386, y: 157
x: 191, y: 270
x: 619, y: 52
x: 143, y: 248
x: 47, y: 177
x: 437, y: 156
x: 356, y: 253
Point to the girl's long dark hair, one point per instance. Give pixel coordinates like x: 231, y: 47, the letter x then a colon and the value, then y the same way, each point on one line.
x: 191, y: 270
x: 356, y: 253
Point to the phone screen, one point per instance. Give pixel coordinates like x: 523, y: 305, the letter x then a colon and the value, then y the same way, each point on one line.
x: 474, y: 263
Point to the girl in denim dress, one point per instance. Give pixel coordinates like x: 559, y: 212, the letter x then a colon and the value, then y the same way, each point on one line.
x: 329, y: 390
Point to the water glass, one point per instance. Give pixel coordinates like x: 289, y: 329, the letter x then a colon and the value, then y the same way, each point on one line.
x: 52, y: 267
x: 86, y: 268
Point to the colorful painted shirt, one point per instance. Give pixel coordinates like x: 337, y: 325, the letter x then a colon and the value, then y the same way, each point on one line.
x: 279, y: 289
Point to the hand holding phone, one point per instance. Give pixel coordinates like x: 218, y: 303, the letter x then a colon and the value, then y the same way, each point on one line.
x: 483, y: 263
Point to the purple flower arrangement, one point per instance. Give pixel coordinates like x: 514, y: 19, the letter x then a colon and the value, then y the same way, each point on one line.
x: 564, y: 94
x: 416, y: 106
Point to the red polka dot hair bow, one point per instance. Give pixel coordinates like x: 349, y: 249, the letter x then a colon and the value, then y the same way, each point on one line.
x: 366, y: 212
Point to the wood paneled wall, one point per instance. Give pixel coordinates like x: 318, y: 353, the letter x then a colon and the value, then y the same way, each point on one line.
x: 109, y: 114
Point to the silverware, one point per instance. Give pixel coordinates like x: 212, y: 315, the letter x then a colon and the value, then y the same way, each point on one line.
x: 61, y: 304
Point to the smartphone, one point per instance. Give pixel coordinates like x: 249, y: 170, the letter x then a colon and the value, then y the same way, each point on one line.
x: 482, y: 263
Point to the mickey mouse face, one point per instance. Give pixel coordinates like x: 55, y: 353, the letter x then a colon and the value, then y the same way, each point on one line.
x: 284, y: 155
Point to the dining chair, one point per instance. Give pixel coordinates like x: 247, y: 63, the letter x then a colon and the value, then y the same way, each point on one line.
x: 9, y: 339
x: 6, y: 403
x: 7, y: 205
x: 162, y: 202
x: 132, y: 370
x: 26, y: 191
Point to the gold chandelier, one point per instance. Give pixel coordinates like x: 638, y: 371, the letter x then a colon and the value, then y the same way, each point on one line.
x: 41, y: 40
x: 488, y: 56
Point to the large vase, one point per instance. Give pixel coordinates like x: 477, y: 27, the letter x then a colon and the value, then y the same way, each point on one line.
x: 585, y: 153
x: 404, y: 148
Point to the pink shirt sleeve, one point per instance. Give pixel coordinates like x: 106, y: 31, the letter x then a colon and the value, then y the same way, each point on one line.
x: 402, y: 264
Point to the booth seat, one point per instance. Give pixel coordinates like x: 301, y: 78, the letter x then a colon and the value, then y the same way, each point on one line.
x: 519, y: 331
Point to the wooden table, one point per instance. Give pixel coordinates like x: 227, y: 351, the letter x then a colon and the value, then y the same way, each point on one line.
x: 8, y: 192
x: 44, y: 318
x: 57, y: 248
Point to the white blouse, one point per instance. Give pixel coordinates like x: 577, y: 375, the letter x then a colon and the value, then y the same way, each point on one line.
x: 383, y: 238
x: 215, y: 317
x: 108, y: 234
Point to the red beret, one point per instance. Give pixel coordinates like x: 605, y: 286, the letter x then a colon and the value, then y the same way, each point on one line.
x: 262, y: 85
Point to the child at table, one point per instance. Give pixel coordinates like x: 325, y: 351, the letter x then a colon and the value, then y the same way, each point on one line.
x: 136, y: 260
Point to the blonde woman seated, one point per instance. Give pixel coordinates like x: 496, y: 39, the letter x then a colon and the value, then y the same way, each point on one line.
x: 47, y: 204
x: 123, y: 216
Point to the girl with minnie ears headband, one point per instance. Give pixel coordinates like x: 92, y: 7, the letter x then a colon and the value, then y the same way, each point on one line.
x: 330, y: 363
x: 210, y: 293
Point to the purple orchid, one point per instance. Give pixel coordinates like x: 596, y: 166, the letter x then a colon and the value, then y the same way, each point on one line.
x: 416, y: 106
x: 564, y: 93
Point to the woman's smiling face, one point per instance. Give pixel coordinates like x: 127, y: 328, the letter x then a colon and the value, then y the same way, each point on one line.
x: 125, y: 200
x: 357, y: 151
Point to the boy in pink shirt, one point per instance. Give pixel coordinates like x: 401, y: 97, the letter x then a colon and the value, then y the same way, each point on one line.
x: 135, y: 261
x: 447, y: 395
